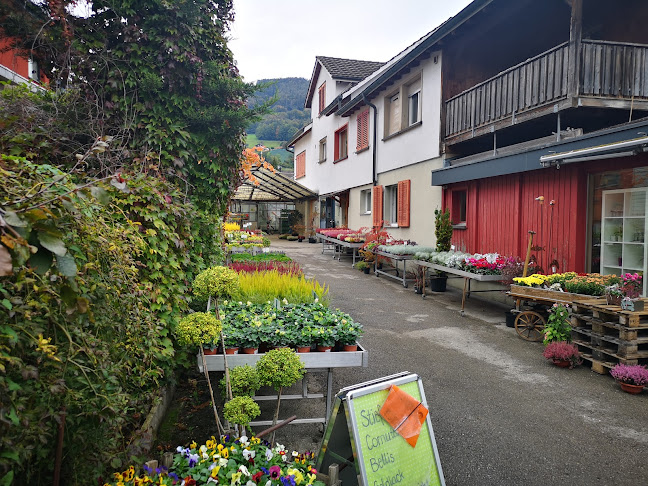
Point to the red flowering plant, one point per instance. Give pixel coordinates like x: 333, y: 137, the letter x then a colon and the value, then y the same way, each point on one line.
x: 631, y: 285
x: 487, y: 264
x: 282, y: 268
x: 631, y: 374
x: 562, y: 351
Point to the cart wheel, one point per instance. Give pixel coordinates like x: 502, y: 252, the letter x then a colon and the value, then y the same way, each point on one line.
x: 530, y: 325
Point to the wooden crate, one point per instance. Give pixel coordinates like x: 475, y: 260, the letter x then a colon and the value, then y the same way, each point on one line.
x: 546, y: 295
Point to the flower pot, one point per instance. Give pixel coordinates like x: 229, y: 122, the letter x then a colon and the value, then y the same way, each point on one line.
x: 312, y: 240
x: 349, y: 347
x: 324, y: 349
x: 303, y: 349
x: 561, y: 363
x: 250, y: 350
x: 438, y: 284
x: 613, y: 299
x: 209, y: 352
x: 632, y: 305
x: 366, y: 270
x: 510, y: 319
x: 231, y: 350
x: 630, y: 388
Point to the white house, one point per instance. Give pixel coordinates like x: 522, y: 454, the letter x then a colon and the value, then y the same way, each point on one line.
x: 373, y: 141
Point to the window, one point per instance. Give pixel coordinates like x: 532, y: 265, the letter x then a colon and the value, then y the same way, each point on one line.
x: 458, y: 209
x: 322, y: 150
x: 413, y: 102
x: 341, y: 143
x: 403, y: 206
x: 392, y: 114
x: 365, y: 201
x: 322, y: 97
x: 400, y: 115
x: 363, y: 131
x: 34, y: 73
x: 391, y: 205
x: 300, y: 165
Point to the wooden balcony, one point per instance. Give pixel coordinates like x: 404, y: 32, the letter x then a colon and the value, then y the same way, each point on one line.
x: 610, y: 75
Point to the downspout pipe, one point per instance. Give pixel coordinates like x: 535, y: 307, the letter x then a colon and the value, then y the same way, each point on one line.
x: 375, y: 128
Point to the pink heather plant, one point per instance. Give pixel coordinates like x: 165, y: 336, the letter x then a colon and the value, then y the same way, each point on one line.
x: 632, y: 285
x: 631, y: 374
x: 562, y: 351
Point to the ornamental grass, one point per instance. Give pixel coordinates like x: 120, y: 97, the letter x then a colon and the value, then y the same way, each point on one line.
x: 260, y: 287
x: 291, y: 268
x: 260, y: 257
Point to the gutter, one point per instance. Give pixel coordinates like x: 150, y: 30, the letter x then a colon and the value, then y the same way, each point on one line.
x: 375, y: 128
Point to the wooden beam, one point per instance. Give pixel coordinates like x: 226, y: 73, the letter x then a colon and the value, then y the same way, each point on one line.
x: 575, y: 36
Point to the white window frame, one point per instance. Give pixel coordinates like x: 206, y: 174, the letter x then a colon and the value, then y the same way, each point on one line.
x: 390, y: 209
x: 366, y: 201
x: 416, y: 95
x: 322, y: 150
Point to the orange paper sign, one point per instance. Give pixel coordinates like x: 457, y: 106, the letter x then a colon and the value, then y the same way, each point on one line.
x: 404, y: 413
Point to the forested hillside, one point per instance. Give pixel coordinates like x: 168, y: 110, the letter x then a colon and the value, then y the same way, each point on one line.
x: 287, y: 114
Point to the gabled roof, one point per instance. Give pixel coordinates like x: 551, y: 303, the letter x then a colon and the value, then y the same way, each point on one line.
x: 272, y: 186
x: 350, y: 70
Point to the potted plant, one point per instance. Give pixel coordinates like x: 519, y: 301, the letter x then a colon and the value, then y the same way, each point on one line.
x: 244, y: 381
x: 632, y: 287
x: 198, y: 329
x: 631, y: 378
x: 325, y: 337
x: 613, y: 294
x: 363, y: 266
x: 348, y: 333
x: 302, y: 338
x: 279, y: 368
x: 562, y: 353
x: 558, y: 326
x: 241, y: 411
x: 443, y: 233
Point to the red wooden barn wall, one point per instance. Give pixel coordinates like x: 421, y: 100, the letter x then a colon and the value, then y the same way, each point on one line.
x: 11, y: 60
x: 502, y: 210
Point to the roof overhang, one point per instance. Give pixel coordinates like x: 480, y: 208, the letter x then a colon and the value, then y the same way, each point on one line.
x: 625, y: 140
x: 303, y: 131
x: 385, y: 75
x: 271, y: 187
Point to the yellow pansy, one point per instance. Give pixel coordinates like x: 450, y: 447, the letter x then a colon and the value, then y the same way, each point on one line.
x: 214, y: 473
x: 236, y: 478
x: 193, y: 445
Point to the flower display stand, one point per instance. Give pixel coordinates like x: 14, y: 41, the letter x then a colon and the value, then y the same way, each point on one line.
x: 607, y: 335
x: 313, y: 362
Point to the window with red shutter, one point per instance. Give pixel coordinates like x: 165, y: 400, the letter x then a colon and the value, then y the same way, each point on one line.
x: 322, y: 97
x: 363, y: 130
x: 404, y: 203
x: 300, y: 165
x: 341, y: 144
x: 377, y: 209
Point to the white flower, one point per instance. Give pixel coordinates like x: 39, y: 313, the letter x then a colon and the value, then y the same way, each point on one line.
x: 269, y: 483
x: 179, y: 449
x: 285, y: 301
x: 222, y: 462
x: 284, y: 458
x: 203, y: 449
x: 269, y: 455
x: 244, y: 440
x: 250, y: 483
x: 205, y: 456
x: 316, y: 300
x: 295, y: 453
x: 244, y: 470
x: 248, y: 454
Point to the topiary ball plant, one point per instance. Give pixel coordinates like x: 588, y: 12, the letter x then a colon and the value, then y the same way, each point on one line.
x: 244, y: 381
x: 280, y: 368
x: 241, y: 411
x: 198, y: 329
x: 219, y: 282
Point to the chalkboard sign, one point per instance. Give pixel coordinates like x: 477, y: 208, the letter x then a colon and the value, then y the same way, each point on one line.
x: 369, y: 450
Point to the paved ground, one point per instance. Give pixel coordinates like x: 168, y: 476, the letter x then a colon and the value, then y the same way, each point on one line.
x: 502, y: 415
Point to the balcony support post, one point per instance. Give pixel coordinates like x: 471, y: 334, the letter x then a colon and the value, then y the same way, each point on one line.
x: 575, y: 36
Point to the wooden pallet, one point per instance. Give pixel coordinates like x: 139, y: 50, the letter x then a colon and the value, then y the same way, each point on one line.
x: 604, y: 312
x: 611, y: 345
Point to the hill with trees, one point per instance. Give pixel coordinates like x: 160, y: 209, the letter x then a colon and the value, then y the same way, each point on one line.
x: 287, y: 114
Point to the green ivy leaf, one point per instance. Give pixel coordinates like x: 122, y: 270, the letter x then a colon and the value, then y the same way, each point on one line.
x: 66, y: 265
x: 13, y: 417
x: 100, y: 194
x: 14, y: 220
x: 7, y: 304
x: 7, y: 479
x: 52, y: 243
x: 41, y: 261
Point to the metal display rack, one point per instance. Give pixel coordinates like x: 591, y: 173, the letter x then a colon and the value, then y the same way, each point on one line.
x: 314, y: 362
x: 396, y: 259
x: 337, y: 247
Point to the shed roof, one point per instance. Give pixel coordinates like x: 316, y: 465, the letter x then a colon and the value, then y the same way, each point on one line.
x: 273, y: 186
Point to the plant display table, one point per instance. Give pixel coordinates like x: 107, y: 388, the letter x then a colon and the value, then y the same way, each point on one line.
x: 339, y: 247
x: 607, y: 335
x: 467, y: 276
x: 313, y: 362
x: 395, y: 259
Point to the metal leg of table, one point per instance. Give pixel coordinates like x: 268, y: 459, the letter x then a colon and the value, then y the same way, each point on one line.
x: 463, y: 297
x: 354, y: 257
x: 329, y: 394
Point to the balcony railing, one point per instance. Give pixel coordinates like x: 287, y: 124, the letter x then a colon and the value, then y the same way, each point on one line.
x: 609, y: 70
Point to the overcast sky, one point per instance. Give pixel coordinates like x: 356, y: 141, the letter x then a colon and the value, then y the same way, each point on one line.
x: 280, y: 38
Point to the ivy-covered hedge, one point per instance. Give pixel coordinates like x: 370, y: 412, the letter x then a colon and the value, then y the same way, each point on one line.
x: 97, y: 278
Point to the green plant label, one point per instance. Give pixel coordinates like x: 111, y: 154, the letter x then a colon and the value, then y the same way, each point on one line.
x: 387, y: 458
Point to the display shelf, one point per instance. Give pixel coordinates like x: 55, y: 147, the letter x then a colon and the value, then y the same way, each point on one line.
x: 623, y: 230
